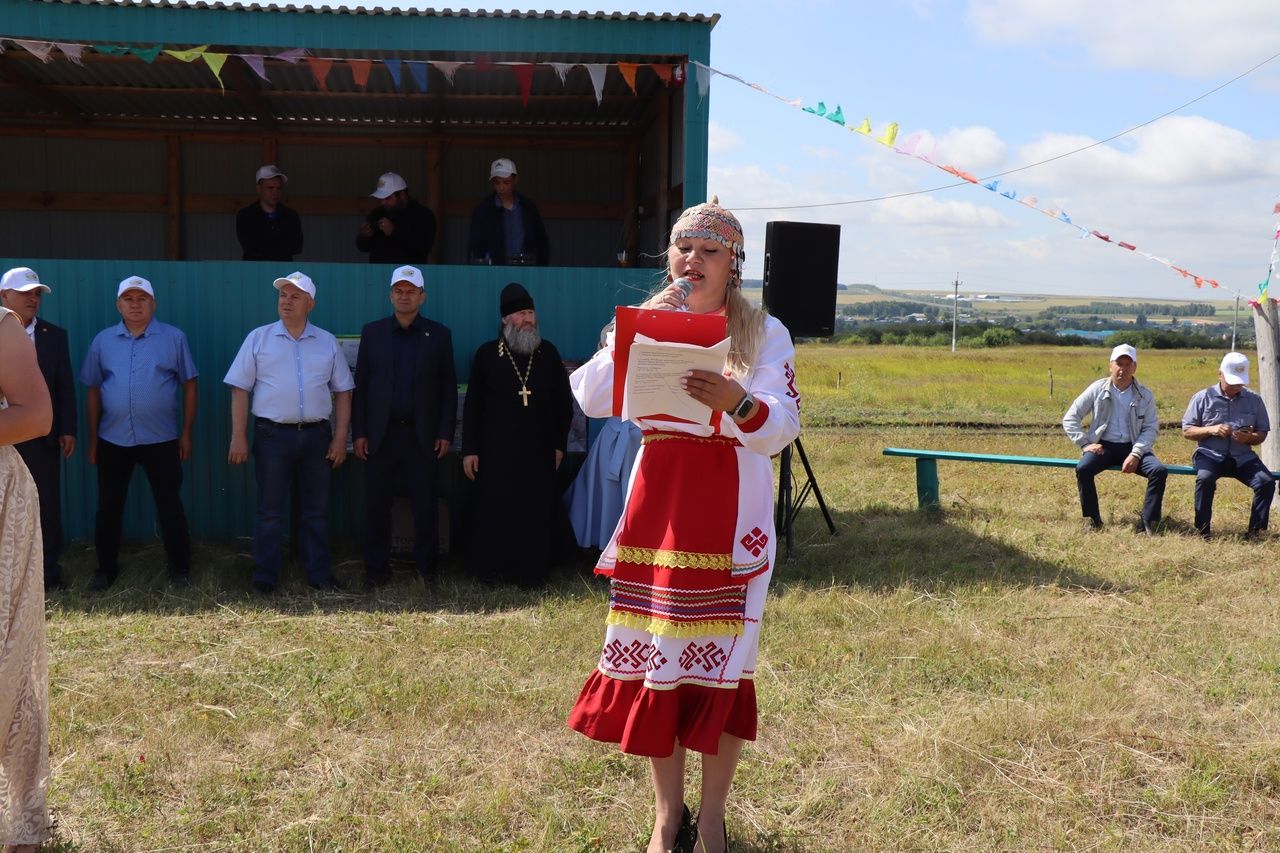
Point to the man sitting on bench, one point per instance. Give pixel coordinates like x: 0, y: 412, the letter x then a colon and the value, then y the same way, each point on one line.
x: 1121, y: 431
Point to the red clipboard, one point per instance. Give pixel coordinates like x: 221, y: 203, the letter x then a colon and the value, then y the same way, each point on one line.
x: 705, y: 330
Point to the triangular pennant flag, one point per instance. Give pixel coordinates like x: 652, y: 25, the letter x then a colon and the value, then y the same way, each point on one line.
x: 596, y: 70
x: 819, y: 110
x: 116, y: 49
x: 187, y: 55
x: 255, y: 61
x: 320, y: 71
x: 951, y: 170
x: 1102, y: 236
x: 1124, y: 245
x: 360, y: 71
x: 837, y: 116
x: 72, y: 51
x: 393, y: 68
x: 1276, y: 209
x: 1063, y: 216
x: 1051, y: 212
x: 562, y: 68
x: 663, y: 71
x: 628, y: 72
x: 448, y: 69
x: 419, y: 72
x: 292, y: 56
x: 148, y: 54
x: 1180, y: 271
x: 864, y: 128
x: 524, y: 77
x: 798, y: 102
x: 1213, y: 284
x: 1198, y: 280
x: 702, y: 79
x: 1030, y: 201
x: 39, y: 49
x: 994, y: 186
x: 215, y: 61
x: 1012, y: 195
x: 909, y: 146
x: 890, y: 134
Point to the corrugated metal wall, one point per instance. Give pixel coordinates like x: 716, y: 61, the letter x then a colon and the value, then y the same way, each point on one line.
x: 217, y: 303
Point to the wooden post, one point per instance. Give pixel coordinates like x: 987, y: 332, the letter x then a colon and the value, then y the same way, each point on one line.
x: 435, y: 193
x: 173, y: 192
x: 270, y: 151
x: 1266, y: 329
x: 630, y: 202
x: 664, y: 169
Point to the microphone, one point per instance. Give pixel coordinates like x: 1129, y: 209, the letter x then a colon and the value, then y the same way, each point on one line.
x: 686, y: 287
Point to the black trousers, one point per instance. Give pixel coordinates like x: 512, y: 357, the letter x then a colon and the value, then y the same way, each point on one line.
x: 163, y: 468
x: 400, y: 453
x: 43, y: 460
x: 1114, y: 453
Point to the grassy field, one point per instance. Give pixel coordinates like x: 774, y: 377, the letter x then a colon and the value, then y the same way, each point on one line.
x: 993, y: 679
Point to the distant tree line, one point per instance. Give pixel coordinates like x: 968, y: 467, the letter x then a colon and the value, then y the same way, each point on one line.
x: 988, y: 335
x: 1158, y: 309
x: 887, y: 308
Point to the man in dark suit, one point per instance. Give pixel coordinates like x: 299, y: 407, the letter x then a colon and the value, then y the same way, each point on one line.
x: 21, y: 291
x: 403, y: 415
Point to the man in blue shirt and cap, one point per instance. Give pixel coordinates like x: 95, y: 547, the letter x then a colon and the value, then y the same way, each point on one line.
x: 1228, y: 421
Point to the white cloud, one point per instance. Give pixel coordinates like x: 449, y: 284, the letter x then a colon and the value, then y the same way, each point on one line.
x: 927, y: 210
x: 1185, y: 37
x: 721, y: 140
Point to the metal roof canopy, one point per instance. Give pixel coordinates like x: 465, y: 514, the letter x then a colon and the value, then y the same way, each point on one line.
x: 115, y: 90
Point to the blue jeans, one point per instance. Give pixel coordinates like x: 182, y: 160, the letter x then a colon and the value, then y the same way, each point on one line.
x: 1252, y: 473
x: 278, y: 452
x: 1114, y: 453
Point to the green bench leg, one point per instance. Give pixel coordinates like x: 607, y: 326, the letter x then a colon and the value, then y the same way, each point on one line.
x: 927, y: 485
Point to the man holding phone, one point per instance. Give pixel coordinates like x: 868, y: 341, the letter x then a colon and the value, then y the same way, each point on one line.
x: 1228, y: 420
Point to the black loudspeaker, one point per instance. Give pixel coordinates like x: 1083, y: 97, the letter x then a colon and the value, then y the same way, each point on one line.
x: 800, y: 264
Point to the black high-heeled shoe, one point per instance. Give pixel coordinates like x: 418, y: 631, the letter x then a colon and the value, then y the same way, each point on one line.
x: 687, y: 835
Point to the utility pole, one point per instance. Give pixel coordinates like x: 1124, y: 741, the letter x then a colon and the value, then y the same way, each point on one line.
x: 955, y: 311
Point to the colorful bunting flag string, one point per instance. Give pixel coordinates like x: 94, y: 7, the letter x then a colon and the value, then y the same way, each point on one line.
x: 888, y: 136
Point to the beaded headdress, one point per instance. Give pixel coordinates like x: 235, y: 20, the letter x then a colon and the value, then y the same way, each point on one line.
x: 710, y: 221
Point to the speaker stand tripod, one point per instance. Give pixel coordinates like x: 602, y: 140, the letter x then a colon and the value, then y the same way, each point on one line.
x: 790, y: 500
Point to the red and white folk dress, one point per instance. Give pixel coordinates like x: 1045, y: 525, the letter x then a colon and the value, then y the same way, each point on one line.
x: 689, y: 566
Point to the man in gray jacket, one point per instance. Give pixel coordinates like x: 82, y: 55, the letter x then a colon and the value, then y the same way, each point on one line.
x: 1121, y: 431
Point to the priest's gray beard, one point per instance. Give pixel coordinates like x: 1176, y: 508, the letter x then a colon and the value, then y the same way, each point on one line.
x: 522, y: 339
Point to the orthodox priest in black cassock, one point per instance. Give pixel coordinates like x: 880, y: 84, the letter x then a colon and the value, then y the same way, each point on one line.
x: 515, y: 424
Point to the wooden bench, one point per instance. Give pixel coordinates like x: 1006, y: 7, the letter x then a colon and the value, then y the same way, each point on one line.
x: 927, y: 468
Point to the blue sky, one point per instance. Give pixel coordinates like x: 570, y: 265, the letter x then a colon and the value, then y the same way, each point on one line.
x: 998, y: 84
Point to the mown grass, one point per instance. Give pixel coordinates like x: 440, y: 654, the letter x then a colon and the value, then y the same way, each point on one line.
x: 993, y: 679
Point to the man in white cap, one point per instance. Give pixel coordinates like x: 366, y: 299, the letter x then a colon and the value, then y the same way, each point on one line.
x: 21, y: 291
x: 400, y: 230
x: 1122, y: 430
x: 1227, y: 421
x: 141, y: 407
x: 298, y: 376
x: 267, y: 229
x: 506, y: 227
x: 404, y: 412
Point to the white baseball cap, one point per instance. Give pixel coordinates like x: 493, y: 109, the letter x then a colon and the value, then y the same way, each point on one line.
x: 389, y: 183
x: 502, y: 168
x: 412, y: 275
x: 1125, y: 349
x: 135, y: 282
x: 1235, y: 368
x: 23, y: 280
x: 300, y: 280
x: 266, y: 173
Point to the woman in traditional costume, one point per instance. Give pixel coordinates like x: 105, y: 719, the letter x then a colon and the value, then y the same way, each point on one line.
x: 690, y: 561
x: 24, y: 710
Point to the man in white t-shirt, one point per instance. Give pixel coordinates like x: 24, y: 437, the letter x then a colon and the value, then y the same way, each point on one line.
x: 1122, y: 430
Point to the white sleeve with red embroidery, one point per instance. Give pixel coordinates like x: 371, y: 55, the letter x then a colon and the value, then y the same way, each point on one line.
x: 592, y: 383
x: 773, y: 382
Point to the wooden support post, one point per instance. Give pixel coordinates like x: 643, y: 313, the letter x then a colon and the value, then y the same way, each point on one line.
x: 630, y: 202
x: 927, y: 485
x: 1266, y: 330
x: 435, y: 193
x: 271, y: 151
x: 662, y: 208
x: 173, y: 194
